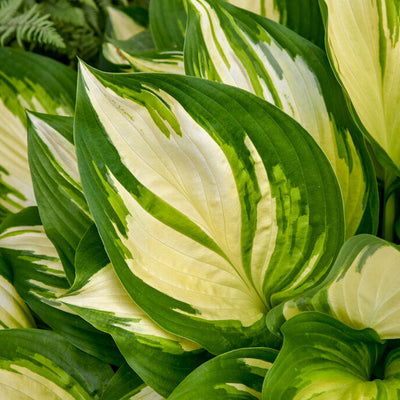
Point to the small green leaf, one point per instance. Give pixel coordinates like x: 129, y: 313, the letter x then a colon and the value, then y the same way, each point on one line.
x: 238, y: 374
x: 123, y: 385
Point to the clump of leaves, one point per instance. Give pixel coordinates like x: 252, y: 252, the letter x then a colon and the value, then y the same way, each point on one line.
x: 210, y: 227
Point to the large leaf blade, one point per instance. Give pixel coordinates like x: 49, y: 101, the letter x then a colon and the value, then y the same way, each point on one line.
x: 232, y: 46
x: 160, y: 187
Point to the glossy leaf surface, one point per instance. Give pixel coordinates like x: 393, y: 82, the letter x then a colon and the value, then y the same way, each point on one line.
x: 188, y: 169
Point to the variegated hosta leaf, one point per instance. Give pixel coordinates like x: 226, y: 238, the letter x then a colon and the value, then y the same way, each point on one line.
x: 213, y: 205
x: 141, y: 44
x: 121, y: 27
x: 122, y: 53
x: 168, y: 19
x: 364, y: 48
x: 323, y: 359
x: 46, y: 86
x: 238, y: 374
x: 13, y: 311
x: 126, y: 385
x: 168, y: 24
x: 362, y: 290
x: 38, y: 364
x: 161, y: 359
x: 302, y: 16
x: 58, y: 191
x: 166, y: 61
x: 232, y: 46
x: 39, y: 279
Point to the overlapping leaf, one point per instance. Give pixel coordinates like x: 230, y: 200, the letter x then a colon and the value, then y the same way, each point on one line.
x: 13, y: 311
x: 62, y: 206
x: 230, y: 45
x: 39, y: 279
x: 168, y: 19
x: 364, y: 48
x: 46, y: 86
x: 212, y: 204
x: 302, y: 16
x: 38, y: 364
x: 122, y: 28
x: 322, y: 358
x: 238, y: 374
x: 362, y: 290
x: 126, y: 385
x: 168, y: 24
x: 161, y: 359
x: 167, y: 61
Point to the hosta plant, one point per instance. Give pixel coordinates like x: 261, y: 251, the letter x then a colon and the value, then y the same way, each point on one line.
x: 210, y: 211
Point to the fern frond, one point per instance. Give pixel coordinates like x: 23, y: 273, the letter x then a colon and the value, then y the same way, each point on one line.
x: 8, y: 9
x: 31, y: 26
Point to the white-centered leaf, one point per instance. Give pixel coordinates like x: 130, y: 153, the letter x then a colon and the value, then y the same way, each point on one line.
x: 364, y: 49
x: 201, y: 198
x: 362, y: 290
x: 232, y: 46
x: 104, y: 303
x: 99, y: 297
x: 46, y: 86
